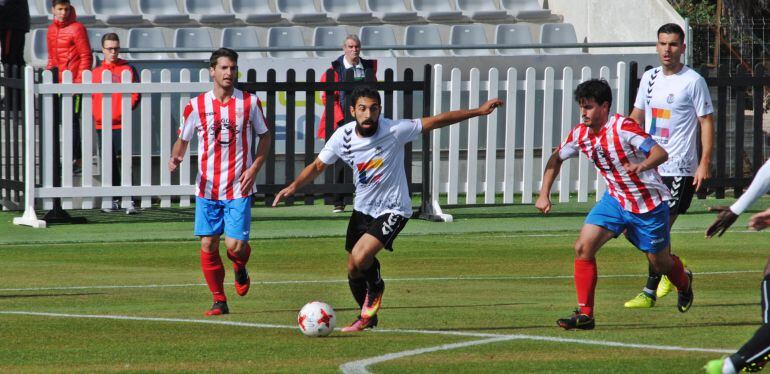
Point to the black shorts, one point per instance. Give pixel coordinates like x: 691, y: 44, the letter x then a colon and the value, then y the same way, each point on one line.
x: 682, y: 190
x: 385, y: 228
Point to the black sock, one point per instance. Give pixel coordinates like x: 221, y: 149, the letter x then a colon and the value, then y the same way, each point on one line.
x: 764, y: 289
x: 358, y: 289
x: 755, y: 353
x: 372, y: 276
x: 653, y: 279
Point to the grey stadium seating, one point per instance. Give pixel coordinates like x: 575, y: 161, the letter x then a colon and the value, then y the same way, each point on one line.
x: 345, y: 11
x: 147, y: 37
x: 209, y: 12
x: 162, y: 12
x: 193, y: 37
x: 329, y: 36
x: 423, y: 35
x: 391, y: 11
x: 436, y: 10
x: 115, y: 12
x: 300, y: 11
x: 254, y: 11
x: 481, y: 10
x: 286, y: 37
x: 552, y: 33
x: 526, y: 9
x: 513, y: 34
x: 468, y: 35
x: 241, y: 37
x: 372, y: 36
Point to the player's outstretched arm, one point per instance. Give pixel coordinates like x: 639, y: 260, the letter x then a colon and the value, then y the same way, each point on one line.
x: 448, y: 118
x: 725, y: 219
x: 306, y: 175
x: 707, y: 143
x: 177, y: 154
x: 760, y: 221
x: 657, y: 156
x: 263, y: 148
x: 552, y: 169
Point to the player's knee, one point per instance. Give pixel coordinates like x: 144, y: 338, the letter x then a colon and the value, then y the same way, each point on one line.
x: 582, y: 250
x: 208, y: 245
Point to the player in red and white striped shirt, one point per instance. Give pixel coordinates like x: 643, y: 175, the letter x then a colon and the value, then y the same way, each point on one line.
x: 225, y: 120
x: 627, y: 158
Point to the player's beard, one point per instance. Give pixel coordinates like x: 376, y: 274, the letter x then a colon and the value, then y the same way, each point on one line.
x: 367, y: 131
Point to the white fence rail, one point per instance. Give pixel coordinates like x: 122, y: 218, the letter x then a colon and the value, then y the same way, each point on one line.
x: 530, y: 109
x: 506, y: 158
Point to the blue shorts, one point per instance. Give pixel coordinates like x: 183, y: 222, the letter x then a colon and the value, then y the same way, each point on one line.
x: 231, y: 217
x: 647, y: 231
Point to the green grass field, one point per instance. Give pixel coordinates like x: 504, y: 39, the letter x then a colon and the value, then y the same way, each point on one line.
x: 481, y: 294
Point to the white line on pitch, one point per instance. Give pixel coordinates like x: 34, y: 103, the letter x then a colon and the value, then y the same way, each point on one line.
x: 514, y: 235
x: 489, y: 338
x: 411, y: 279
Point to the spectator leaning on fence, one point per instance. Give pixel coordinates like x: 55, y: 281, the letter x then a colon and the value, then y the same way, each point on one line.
x: 350, y: 60
x: 69, y: 49
x: 14, y: 23
x: 116, y: 66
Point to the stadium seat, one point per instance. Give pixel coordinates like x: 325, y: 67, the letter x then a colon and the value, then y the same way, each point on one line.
x: 162, y: 12
x: 468, y: 35
x: 553, y: 33
x: 374, y: 36
x: 346, y: 11
x: 300, y: 11
x: 115, y: 12
x: 526, y: 9
x: 238, y: 38
x: 36, y: 17
x: 513, y: 34
x: 208, y: 12
x: 423, y: 35
x: 84, y: 15
x: 147, y: 38
x: 189, y: 37
x: 436, y: 10
x: 391, y: 11
x: 254, y: 11
x: 39, y: 47
x: 481, y: 10
x: 329, y: 36
x: 286, y: 37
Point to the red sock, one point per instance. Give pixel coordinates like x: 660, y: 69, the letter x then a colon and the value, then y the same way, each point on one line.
x: 677, y: 276
x: 585, y: 284
x: 242, y: 258
x: 214, y: 272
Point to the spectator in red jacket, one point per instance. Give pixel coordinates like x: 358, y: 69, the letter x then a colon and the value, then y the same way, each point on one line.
x: 69, y: 49
x: 116, y: 66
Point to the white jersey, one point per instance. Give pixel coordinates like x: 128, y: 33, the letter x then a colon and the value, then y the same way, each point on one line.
x: 378, y: 164
x: 672, y: 105
x: 225, y: 133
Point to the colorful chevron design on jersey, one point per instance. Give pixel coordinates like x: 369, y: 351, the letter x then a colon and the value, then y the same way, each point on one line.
x: 366, y: 171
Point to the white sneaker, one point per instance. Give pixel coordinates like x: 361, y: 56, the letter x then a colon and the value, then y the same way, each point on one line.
x: 115, y: 207
x: 130, y: 209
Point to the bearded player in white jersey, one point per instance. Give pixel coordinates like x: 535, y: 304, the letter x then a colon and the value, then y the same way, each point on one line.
x: 225, y: 120
x: 672, y: 101
x: 374, y: 148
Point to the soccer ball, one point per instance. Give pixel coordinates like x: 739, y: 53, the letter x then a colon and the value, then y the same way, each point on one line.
x: 316, y: 318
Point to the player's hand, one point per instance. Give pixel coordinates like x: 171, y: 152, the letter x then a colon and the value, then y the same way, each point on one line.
x: 724, y: 220
x: 174, y: 162
x: 286, y: 192
x: 760, y: 221
x: 543, y: 204
x: 634, y: 168
x: 490, y: 106
x: 701, y: 175
x: 247, y: 180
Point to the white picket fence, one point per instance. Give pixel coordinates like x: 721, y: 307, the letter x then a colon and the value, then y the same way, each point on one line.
x: 490, y: 176
x: 512, y: 174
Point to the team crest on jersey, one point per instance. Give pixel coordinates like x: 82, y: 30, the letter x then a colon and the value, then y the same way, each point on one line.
x: 224, y: 131
x: 670, y: 98
x: 600, y: 154
x: 367, y: 171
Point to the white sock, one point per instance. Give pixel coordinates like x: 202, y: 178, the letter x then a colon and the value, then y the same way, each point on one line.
x: 727, y: 366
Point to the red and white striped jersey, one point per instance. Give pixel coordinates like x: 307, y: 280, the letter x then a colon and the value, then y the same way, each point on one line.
x: 616, y: 144
x: 225, y: 136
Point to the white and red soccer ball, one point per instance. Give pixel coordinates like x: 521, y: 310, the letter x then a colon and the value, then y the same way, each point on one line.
x: 316, y: 318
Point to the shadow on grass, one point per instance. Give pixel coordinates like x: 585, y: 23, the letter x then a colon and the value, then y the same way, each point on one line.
x: 151, y: 215
x: 49, y: 295
x: 390, y: 307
